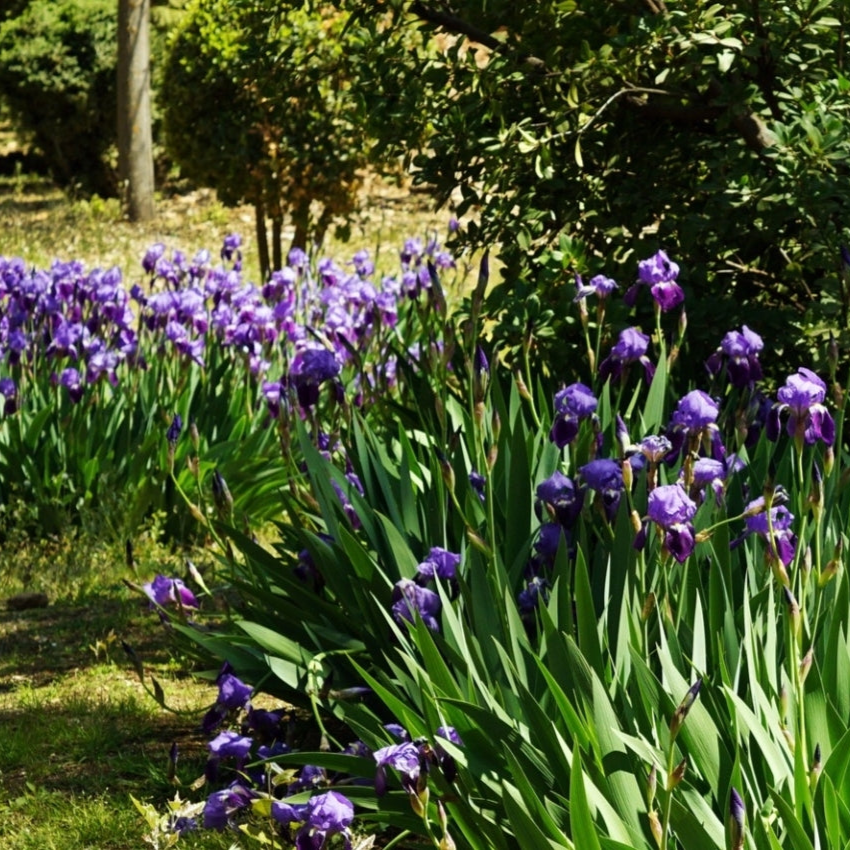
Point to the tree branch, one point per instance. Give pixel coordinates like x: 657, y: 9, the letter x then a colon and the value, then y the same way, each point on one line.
x: 451, y: 22
x: 749, y: 126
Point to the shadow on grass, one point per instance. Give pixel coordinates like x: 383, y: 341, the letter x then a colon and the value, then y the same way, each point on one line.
x: 72, y: 711
x: 38, y: 645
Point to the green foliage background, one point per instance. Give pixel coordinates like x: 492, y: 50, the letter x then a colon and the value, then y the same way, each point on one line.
x: 583, y: 136
x: 57, y: 75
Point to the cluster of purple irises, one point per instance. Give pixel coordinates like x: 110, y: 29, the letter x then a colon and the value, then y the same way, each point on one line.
x: 306, y: 322
x: 80, y: 323
x: 319, y: 318
x: 262, y: 737
x: 692, y: 441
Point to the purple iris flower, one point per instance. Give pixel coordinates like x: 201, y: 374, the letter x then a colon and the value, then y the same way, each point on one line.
x: 530, y: 598
x: 599, y: 285
x: 71, y: 380
x: 172, y: 435
x: 440, y: 562
x: 560, y: 494
x: 631, y: 347
x: 450, y: 734
x: 325, y: 815
x: 695, y: 420
x: 809, y: 420
x: 267, y: 726
x: 309, y: 369
x: 222, y: 805
x: 164, y: 591
x: 181, y: 824
x: 708, y: 472
x: 406, y: 759
x: 478, y: 482
x: 288, y: 813
x: 739, y: 352
x: 310, y: 776
x: 670, y: 508
x: 230, y: 249
x: 272, y: 393
x: 363, y: 265
x: 230, y: 745
x: 347, y: 507
x: 737, y: 820
x: 9, y: 391
x: 409, y: 599
x: 66, y: 337
x: 655, y: 447
x: 444, y: 759
x: 695, y: 412
x: 606, y: 478
x: 658, y: 272
x: 572, y: 404
x: 152, y: 255
x: 233, y: 694
x: 784, y: 541
x: 397, y: 731
x: 548, y: 541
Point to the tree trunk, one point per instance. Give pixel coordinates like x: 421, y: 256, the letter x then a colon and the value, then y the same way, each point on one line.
x: 262, y: 238
x: 135, y: 145
x: 277, y: 243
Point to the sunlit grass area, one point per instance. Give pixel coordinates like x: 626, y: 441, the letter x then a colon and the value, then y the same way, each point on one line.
x: 41, y: 224
x: 79, y: 732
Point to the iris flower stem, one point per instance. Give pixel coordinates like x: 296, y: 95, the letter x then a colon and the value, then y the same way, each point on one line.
x: 817, y: 567
x: 797, y: 685
x: 644, y: 593
x: 526, y: 363
x: 186, y: 499
x: 662, y: 348
x: 600, y: 321
x: 590, y: 351
x: 681, y: 606
x: 668, y: 802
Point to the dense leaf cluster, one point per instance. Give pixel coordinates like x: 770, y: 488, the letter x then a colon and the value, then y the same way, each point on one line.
x: 580, y: 137
x: 57, y: 76
x: 259, y: 107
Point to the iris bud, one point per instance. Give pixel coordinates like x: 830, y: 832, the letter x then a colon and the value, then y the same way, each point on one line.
x: 677, y: 775
x: 684, y: 707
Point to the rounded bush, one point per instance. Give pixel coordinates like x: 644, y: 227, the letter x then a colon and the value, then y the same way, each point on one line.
x: 57, y: 76
x: 256, y: 104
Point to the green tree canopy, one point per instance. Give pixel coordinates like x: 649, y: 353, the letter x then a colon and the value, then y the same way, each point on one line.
x: 57, y: 76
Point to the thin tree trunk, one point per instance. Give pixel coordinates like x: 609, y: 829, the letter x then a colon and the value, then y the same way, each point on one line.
x: 135, y: 143
x: 301, y: 220
x: 262, y: 238
x: 277, y: 242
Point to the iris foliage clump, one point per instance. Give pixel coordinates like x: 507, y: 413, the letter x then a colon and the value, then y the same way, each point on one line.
x: 94, y: 369
x: 611, y: 613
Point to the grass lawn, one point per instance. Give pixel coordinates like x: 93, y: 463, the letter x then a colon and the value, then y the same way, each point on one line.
x: 41, y: 224
x: 79, y: 734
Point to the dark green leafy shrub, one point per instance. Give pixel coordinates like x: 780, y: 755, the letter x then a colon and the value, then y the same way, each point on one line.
x: 577, y: 139
x: 57, y: 76
x: 258, y: 106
